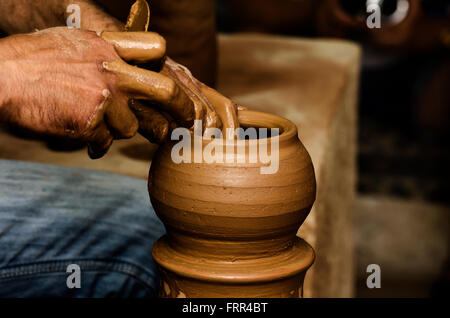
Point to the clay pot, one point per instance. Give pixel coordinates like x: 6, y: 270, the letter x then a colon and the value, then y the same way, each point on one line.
x: 231, y: 231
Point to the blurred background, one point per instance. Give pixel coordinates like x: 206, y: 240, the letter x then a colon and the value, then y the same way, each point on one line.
x: 404, y: 96
x: 403, y: 127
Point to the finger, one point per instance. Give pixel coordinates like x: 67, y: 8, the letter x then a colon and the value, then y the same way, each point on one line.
x: 120, y: 119
x: 137, y: 46
x: 152, y: 124
x: 148, y: 85
x: 99, y: 141
x: 172, y: 123
x: 223, y: 106
x: 183, y: 78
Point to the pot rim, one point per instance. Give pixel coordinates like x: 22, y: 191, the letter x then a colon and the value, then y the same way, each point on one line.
x: 257, y: 119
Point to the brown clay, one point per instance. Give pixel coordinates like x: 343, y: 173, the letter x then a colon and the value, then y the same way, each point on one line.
x: 164, y: 96
x: 231, y: 231
x: 139, y: 16
x: 184, y: 79
x: 148, y: 85
x: 137, y: 46
x: 225, y: 109
x: 215, y: 109
x: 149, y: 46
x: 187, y: 25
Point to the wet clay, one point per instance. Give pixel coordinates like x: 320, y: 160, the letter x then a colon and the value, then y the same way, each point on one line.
x: 137, y: 47
x: 216, y: 110
x: 139, y: 17
x: 146, y: 85
x: 231, y: 231
x: 211, y: 107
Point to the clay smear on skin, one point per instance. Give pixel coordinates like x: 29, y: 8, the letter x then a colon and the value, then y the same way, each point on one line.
x: 215, y: 110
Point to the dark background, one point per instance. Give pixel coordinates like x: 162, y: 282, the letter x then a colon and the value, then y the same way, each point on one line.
x: 404, y: 91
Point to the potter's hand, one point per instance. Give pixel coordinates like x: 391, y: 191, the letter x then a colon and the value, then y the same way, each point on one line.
x: 211, y: 107
x: 214, y: 109
x: 73, y: 83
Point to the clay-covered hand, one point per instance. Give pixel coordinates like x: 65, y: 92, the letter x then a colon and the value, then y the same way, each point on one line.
x: 74, y: 83
x: 214, y: 109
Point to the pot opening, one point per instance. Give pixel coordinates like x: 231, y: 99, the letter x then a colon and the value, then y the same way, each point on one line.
x: 265, y: 125
x: 259, y: 132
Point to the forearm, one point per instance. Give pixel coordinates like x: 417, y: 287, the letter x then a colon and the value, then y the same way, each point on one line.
x: 9, y: 54
x: 22, y: 16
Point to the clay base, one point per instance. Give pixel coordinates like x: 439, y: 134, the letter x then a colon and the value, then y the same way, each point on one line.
x: 194, y: 276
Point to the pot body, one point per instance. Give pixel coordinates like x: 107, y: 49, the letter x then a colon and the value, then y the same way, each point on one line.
x: 231, y: 230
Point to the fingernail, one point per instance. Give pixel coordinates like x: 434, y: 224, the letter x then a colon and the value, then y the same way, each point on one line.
x: 106, y: 93
x: 93, y: 153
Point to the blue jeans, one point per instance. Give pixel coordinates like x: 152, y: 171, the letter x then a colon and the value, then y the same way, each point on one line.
x: 52, y: 217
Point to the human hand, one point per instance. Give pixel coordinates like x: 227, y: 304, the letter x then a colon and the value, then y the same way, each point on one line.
x: 214, y: 109
x: 74, y: 83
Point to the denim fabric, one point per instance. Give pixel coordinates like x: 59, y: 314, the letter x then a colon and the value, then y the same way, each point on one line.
x: 53, y: 216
